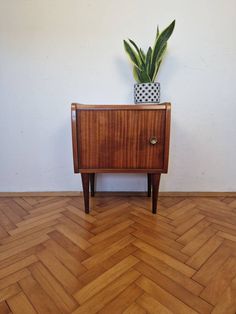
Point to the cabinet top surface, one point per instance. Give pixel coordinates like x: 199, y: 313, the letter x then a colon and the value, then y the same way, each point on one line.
x: 122, y: 107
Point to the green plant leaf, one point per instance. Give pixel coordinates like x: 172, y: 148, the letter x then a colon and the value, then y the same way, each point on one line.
x: 139, y: 53
x: 159, y: 44
x: 135, y: 46
x: 148, y: 60
x: 159, y: 61
x: 134, y: 58
x: 156, y: 71
x: 140, y: 75
x: 143, y: 56
x: 144, y: 77
x: 135, y: 74
x: 146, y: 66
x: 157, y: 33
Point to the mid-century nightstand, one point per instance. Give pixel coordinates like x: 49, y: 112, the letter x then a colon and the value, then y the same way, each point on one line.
x: 121, y: 139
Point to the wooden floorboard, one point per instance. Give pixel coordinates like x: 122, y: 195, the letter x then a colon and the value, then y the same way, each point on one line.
x: 121, y: 258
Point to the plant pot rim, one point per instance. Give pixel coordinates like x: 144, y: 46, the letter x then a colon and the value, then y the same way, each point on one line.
x: 149, y: 83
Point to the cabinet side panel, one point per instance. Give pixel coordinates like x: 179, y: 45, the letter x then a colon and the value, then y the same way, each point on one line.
x: 167, y: 138
x: 74, y: 132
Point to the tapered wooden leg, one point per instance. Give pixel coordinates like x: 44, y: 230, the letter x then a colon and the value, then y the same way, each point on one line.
x: 85, y: 183
x: 92, y: 181
x: 155, y: 190
x: 149, y: 184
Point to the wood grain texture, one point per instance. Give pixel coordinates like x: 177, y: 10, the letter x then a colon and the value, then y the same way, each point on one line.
x: 179, y: 261
x: 115, y: 138
x: 167, y: 137
x: 120, y: 139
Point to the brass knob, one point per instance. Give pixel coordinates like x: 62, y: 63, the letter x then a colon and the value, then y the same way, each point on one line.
x: 153, y: 140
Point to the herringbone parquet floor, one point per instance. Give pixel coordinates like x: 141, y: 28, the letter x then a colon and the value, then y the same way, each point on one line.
x: 120, y: 258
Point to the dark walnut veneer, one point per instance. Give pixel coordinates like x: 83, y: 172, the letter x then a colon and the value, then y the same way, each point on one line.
x: 117, y: 138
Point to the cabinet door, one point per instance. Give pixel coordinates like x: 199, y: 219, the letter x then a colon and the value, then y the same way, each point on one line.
x: 120, y: 139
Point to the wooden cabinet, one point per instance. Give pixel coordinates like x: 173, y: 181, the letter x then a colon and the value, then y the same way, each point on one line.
x: 120, y: 138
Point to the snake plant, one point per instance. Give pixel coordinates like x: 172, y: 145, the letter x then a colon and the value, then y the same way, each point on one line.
x: 146, y: 65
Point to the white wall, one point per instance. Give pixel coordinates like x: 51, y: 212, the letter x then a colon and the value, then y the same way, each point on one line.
x: 54, y: 52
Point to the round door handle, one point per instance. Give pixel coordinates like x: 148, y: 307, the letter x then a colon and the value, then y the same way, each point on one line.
x: 153, y: 140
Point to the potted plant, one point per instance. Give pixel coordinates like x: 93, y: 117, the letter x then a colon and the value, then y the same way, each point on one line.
x: 146, y: 66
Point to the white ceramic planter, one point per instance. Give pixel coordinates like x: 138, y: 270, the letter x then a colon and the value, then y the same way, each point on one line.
x: 147, y: 93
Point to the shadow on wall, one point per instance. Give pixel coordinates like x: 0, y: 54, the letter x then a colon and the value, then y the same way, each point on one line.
x: 62, y: 155
x: 193, y: 154
x: 121, y: 182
